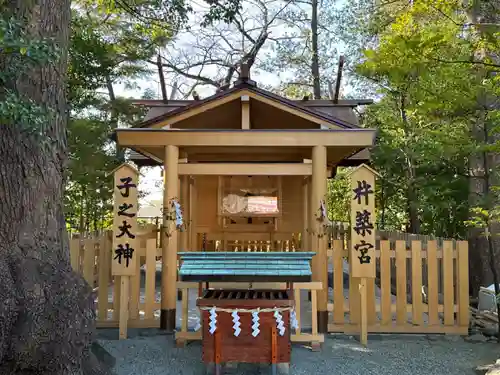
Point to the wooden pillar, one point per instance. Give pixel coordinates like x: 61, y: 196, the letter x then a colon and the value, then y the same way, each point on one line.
x: 305, y: 206
x: 318, y: 238
x: 193, y: 204
x: 185, y: 210
x: 184, y: 235
x: 169, y: 245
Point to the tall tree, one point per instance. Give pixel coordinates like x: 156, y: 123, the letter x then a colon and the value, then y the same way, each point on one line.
x: 38, y: 332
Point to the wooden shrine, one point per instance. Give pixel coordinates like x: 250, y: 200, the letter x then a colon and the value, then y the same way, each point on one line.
x: 246, y: 326
x: 246, y: 170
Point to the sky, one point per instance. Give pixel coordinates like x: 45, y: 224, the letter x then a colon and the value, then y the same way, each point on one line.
x: 151, y: 180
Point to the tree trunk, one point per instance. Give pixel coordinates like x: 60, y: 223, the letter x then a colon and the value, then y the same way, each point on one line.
x: 46, y: 314
x: 411, y: 192
x: 120, y: 152
x: 315, y: 52
x: 163, y: 86
x: 480, y: 263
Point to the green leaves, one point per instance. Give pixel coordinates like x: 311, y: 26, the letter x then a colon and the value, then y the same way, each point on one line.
x: 21, y: 54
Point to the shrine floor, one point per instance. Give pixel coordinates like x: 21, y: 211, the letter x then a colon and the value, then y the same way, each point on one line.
x: 148, y: 352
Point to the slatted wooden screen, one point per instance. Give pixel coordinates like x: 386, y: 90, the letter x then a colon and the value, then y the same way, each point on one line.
x: 424, y: 305
x: 418, y: 289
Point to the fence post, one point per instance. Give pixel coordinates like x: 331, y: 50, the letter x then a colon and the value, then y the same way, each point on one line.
x: 463, y: 284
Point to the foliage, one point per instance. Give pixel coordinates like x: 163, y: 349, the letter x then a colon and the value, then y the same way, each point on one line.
x: 338, y: 198
x: 90, y: 190
x: 21, y: 54
x: 424, y: 119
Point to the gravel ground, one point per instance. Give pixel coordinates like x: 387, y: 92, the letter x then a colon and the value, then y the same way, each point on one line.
x: 147, y: 352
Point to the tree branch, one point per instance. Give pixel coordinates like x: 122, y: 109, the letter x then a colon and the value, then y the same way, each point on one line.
x: 466, y: 62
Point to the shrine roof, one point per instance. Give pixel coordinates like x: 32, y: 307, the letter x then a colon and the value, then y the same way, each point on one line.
x: 259, y: 93
x: 246, y: 266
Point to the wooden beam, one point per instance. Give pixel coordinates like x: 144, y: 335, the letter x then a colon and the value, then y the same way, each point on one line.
x: 197, y: 110
x: 292, y: 110
x: 318, y: 239
x: 245, y: 169
x: 305, y: 245
x: 240, y: 138
x: 245, y: 112
x: 169, y: 243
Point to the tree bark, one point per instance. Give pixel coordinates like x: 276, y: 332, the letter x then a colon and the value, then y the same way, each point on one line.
x: 47, y: 311
x: 120, y: 152
x: 315, y: 52
x: 481, y: 267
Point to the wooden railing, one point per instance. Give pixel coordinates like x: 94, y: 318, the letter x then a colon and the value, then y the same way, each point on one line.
x: 422, y: 289
x: 426, y: 312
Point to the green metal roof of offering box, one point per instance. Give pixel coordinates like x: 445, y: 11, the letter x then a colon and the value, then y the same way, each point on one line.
x: 246, y: 266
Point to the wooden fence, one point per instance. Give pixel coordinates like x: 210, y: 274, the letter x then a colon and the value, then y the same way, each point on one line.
x: 430, y: 295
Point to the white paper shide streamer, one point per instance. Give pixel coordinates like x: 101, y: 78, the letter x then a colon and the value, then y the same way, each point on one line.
x: 237, y: 324
x: 279, y: 323
x: 179, y: 220
x: 213, y: 321
x: 256, y: 324
x: 197, y: 325
x: 294, y: 323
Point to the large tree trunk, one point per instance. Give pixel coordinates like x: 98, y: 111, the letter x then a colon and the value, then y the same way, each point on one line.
x: 46, y: 310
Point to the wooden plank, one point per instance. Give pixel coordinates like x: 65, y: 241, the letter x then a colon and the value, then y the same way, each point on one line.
x: 89, y: 261
x: 296, y: 295
x: 416, y: 282
x: 138, y: 323
x: 448, y: 292
x: 150, y: 279
x: 432, y: 283
x: 463, y: 283
x: 228, y: 236
x: 304, y: 238
x: 363, y: 311
x: 245, y: 112
x: 104, y: 276
x: 354, y: 301
x: 313, y: 285
x: 401, y: 316
x: 125, y: 228
x: 304, y: 337
x: 407, y: 328
x: 188, y: 336
x: 245, y: 169
x: 124, y: 298
x: 184, y: 242
x: 130, y: 137
x: 74, y: 247
x: 135, y: 290
x: 370, y: 301
x: 362, y: 250
x: 338, y: 282
x: 241, y: 285
x: 185, y: 309
x: 189, y: 285
x: 116, y: 297
x: 194, y: 215
x: 314, y: 312
x: 385, y: 283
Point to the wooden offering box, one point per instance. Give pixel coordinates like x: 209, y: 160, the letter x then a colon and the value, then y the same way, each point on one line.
x: 245, y: 348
